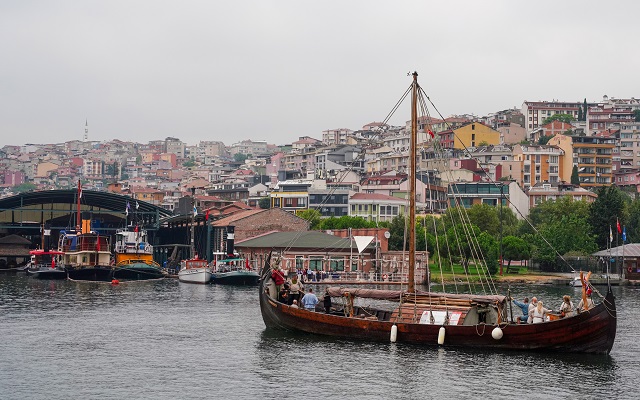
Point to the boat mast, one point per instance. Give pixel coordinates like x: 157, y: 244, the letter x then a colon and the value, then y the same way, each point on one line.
x: 78, y: 220
x: 193, y: 221
x: 412, y: 183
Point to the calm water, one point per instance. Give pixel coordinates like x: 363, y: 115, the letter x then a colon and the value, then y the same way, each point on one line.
x: 168, y: 340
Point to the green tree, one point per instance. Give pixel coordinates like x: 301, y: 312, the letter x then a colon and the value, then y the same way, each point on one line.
x: 189, y: 163
x: 570, y: 233
x: 345, y: 222
x: 239, y: 157
x: 636, y: 114
x: 585, y: 110
x: 485, y: 217
x: 575, y: 178
x: 264, y: 203
x: 311, y: 215
x: 489, y: 249
x: 580, y: 114
x: 24, y: 187
x: 559, y: 117
x: 515, y: 248
x: 608, y: 208
x: 544, y: 140
x: 633, y: 221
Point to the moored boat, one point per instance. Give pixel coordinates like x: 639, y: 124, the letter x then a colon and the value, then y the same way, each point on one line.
x: 427, y: 318
x: 43, y: 265
x: 194, y: 270
x: 234, y: 271
x: 134, y: 256
x: 87, y: 255
x: 231, y: 269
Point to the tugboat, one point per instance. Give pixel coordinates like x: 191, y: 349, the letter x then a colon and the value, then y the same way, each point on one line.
x: 86, y: 253
x: 134, y: 256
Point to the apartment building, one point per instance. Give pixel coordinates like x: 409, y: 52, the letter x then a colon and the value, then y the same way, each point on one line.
x: 539, y: 164
x: 535, y: 112
x: 592, y: 155
x: 470, y: 135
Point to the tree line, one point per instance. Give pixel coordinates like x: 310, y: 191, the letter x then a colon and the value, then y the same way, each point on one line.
x: 562, y: 227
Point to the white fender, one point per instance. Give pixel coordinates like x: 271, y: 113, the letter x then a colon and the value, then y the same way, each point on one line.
x: 496, y: 333
x: 394, y: 333
x: 441, y: 336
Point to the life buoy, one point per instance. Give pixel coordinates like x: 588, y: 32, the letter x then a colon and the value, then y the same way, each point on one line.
x: 385, y: 277
x: 629, y: 269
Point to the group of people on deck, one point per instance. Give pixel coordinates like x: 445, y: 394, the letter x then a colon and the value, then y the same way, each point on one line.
x: 290, y: 290
x: 535, y: 312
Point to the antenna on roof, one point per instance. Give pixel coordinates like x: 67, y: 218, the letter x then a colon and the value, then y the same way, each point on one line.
x: 86, y: 131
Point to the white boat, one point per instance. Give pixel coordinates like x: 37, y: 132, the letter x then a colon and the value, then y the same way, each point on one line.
x: 194, y: 270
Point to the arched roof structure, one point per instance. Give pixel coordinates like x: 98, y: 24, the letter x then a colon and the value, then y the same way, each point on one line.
x: 58, y: 209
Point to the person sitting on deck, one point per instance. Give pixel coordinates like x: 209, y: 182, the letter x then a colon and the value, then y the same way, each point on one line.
x: 524, y: 306
x: 294, y: 304
x: 539, y: 313
x: 532, y: 306
x: 566, y: 309
x: 309, y: 301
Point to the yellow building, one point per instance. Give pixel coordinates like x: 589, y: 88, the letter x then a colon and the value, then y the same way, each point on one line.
x: 471, y: 135
x: 592, y: 155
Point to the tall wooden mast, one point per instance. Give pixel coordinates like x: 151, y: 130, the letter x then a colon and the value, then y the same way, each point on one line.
x: 78, y: 218
x: 412, y: 183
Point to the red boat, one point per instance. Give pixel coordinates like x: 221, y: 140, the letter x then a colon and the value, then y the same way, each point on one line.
x: 427, y: 318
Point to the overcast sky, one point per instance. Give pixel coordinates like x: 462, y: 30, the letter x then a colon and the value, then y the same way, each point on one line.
x: 277, y: 70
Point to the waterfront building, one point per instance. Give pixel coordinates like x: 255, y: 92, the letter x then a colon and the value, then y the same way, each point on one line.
x: 545, y: 191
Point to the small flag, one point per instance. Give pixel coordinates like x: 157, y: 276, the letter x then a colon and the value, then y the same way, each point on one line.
x: 206, y: 217
x: 430, y: 132
x: 624, y: 234
x: 610, y: 234
x: 618, y: 226
x: 195, y: 211
x: 137, y: 205
x: 80, y: 195
x: 126, y: 210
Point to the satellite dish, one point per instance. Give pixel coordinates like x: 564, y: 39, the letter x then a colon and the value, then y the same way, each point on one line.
x: 387, y: 235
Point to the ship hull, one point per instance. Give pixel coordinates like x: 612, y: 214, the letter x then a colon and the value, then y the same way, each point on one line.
x: 592, y: 331
x: 240, y: 278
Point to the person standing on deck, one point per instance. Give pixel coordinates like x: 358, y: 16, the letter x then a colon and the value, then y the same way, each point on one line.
x: 278, y: 278
x: 309, y: 301
x: 295, y: 288
x: 326, y: 300
x: 589, y: 304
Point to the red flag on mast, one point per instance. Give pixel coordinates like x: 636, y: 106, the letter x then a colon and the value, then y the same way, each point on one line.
x: 618, y: 225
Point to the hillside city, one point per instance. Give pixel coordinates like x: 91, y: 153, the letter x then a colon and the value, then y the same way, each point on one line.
x: 545, y: 150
